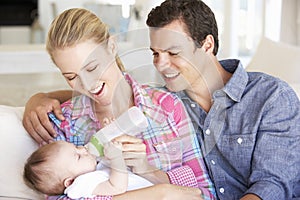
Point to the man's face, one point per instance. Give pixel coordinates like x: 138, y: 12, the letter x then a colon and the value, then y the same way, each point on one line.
x: 175, y: 56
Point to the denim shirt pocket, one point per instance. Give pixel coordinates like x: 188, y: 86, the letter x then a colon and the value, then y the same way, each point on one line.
x: 169, y: 153
x: 238, y: 148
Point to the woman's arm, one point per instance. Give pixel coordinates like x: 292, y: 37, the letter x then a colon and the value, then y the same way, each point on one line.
x: 156, y: 192
x: 162, y: 192
x: 35, y: 118
x: 191, y: 152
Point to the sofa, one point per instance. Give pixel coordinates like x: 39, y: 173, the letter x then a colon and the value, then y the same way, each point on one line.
x: 18, y: 145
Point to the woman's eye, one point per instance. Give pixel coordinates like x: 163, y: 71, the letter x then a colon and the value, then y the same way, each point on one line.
x: 71, y: 78
x: 92, y: 68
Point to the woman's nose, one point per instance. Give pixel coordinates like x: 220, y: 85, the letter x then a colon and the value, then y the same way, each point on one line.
x: 87, y: 80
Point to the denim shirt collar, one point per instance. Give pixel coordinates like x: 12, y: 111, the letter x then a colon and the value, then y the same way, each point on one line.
x: 236, y: 85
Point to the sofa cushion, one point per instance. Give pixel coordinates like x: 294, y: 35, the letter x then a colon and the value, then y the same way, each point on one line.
x: 16, y: 147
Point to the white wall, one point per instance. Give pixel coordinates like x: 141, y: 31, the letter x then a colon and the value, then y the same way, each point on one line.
x: 290, y: 22
x: 48, y: 9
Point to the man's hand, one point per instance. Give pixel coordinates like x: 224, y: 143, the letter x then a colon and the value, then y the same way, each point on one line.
x: 35, y: 118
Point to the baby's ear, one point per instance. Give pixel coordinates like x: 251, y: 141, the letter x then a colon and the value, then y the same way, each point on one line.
x: 68, y: 181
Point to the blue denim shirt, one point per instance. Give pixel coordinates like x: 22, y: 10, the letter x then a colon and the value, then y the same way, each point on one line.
x: 250, y: 136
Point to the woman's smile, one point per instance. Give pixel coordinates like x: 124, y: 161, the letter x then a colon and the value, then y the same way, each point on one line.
x: 98, y: 90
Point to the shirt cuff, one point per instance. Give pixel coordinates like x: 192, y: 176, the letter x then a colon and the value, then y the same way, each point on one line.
x: 183, y: 176
x: 267, y: 190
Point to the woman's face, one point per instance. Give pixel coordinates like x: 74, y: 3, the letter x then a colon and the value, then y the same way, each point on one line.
x: 90, y: 69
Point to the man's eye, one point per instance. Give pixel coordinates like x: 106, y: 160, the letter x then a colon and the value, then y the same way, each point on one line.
x: 155, y: 54
x: 173, y: 54
x: 92, y: 68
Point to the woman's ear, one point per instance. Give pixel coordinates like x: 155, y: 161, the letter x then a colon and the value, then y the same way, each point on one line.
x: 209, y: 44
x: 112, y: 45
x: 68, y: 181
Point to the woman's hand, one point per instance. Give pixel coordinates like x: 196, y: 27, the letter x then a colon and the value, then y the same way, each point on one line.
x: 35, y: 118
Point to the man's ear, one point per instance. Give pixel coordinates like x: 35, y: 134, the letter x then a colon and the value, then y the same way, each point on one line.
x: 209, y: 44
x: 68, y: 181
x: 112, y: 45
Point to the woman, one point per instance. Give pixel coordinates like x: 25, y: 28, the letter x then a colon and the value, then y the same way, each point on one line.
x: 168, y: 151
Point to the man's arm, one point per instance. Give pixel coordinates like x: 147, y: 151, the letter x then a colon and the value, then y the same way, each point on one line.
x: 276, y: 155
x: 250, y: 197
x: 35, y: 118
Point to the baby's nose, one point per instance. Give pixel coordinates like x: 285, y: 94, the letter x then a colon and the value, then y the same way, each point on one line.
x: 83, y: 149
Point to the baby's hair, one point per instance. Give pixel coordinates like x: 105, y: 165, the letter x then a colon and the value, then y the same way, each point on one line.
x: 39, y: 173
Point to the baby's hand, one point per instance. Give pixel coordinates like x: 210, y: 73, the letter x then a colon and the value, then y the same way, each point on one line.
x: 113, y: 153
x: 113, y: 150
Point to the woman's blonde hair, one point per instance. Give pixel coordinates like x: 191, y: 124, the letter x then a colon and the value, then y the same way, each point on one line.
x: 74, y: 26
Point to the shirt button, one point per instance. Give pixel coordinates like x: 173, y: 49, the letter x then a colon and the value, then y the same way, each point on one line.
x: 239, y: 140
x: 222, y: 190
x: 193, y: 105
x: 213, y: 162
x: 207, y: 132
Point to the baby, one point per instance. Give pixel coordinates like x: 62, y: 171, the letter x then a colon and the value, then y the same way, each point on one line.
x: 61, y: 167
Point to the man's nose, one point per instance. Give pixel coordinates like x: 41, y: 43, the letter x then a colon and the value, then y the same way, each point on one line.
x: 162, y: 61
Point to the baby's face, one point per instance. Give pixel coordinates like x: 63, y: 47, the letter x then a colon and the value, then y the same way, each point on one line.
x: 73, y: 160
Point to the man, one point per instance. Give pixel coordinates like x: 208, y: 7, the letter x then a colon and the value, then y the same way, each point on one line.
x: 247, y: 123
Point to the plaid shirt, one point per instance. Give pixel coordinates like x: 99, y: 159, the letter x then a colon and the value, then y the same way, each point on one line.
x: 171, y: 143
